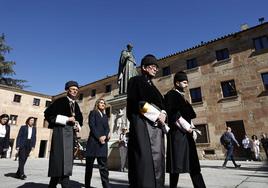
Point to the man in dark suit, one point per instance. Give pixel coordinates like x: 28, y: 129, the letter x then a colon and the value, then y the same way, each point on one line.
x: 97, y: 144
x: 65, y: 118
x: 25, y: 143
x: 146, y: 152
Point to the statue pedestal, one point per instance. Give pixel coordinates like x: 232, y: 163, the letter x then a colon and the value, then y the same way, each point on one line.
x: 117, y: 121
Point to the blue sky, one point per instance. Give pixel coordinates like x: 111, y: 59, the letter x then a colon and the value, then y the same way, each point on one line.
x: 55, y: 41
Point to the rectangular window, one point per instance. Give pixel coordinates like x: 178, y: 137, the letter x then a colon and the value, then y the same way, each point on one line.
x: 204, y: 137
x: 261, y: 43
x: 166, y: 71
x: 93, y: 92
x: 48, y: 103
x: 13, y: 119
x: 222, y: 54
x: 108, y: 88
x: 228, y: 88
x: 265, y: 80
x: 196, y: 95
x: 81, y: 96
x: 17, y: 98
x: 36, y: 102
x: 191, y: 63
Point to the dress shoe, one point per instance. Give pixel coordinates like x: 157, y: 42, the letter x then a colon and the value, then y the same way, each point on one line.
x: 22, y: 177
x: 237, y: 166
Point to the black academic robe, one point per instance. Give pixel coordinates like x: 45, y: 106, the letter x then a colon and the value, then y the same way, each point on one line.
x: 146, y: 152
x: 181, y: 149
x: 98, y: 127
x: 61, y: 152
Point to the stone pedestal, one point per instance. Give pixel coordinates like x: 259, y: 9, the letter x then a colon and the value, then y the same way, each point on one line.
x: 118, y: 120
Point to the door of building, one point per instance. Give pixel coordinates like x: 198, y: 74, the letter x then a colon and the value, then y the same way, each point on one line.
x: 42, y: 149
x: 238, y: 130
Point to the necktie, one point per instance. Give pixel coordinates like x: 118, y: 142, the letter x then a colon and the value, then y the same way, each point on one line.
x: 72, y: 105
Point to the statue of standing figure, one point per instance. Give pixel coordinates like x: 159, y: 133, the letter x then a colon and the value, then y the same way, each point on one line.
x: 126, y: 69
x: 120, y: 121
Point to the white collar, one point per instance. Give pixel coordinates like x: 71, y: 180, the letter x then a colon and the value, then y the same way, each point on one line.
x: 71, y: 100
x: 182, y: 93
x: 101, y: 113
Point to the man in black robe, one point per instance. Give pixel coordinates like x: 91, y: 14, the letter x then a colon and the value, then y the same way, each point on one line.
x: 181, y: 149
x: 65, y: 118
x: 146, y: 150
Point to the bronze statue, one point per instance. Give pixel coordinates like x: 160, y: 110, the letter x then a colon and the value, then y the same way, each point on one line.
x: 126, y: 69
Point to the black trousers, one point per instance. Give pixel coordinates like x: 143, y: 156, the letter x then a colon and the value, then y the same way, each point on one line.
x: 64, y: 181
x: 197, y: 180
x: 104, y: 173
x: 248, y: 153
x: 23, y: 156
x: 2, y: 152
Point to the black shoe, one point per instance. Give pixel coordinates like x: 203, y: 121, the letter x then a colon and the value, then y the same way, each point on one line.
x: 237, y: 166
x: 223, y: 166
x: 22, y: 177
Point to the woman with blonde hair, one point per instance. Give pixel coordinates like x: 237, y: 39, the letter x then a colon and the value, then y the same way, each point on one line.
x: 97, y: 143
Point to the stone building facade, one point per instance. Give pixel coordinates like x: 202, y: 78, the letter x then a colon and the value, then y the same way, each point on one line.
x: 228, y: 86
x: 19, y: 105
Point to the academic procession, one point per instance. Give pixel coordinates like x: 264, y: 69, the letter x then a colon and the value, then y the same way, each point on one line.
x: 156, y: 123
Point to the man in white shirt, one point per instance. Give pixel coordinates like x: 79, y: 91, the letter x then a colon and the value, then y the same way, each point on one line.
x: 247, y: 147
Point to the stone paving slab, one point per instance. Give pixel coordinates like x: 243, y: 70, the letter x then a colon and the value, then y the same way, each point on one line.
x: 251, y: 174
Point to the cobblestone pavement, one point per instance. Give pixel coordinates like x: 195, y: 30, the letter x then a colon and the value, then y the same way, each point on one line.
x: 251, y: 174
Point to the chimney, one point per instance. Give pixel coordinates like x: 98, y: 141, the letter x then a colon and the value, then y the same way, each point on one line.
x: 244, y: 27
x: 261, y: 20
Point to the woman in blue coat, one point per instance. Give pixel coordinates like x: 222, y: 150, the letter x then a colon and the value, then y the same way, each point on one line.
x: 97, y: 143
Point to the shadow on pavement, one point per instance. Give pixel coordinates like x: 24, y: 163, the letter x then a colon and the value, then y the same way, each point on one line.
x: 33, y: 185
x: 74, y: 184
x: 13, y: 175
x: 120, y: 181
x: 246, y: 167
x: 257, y: 175
x: 114, y: 185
